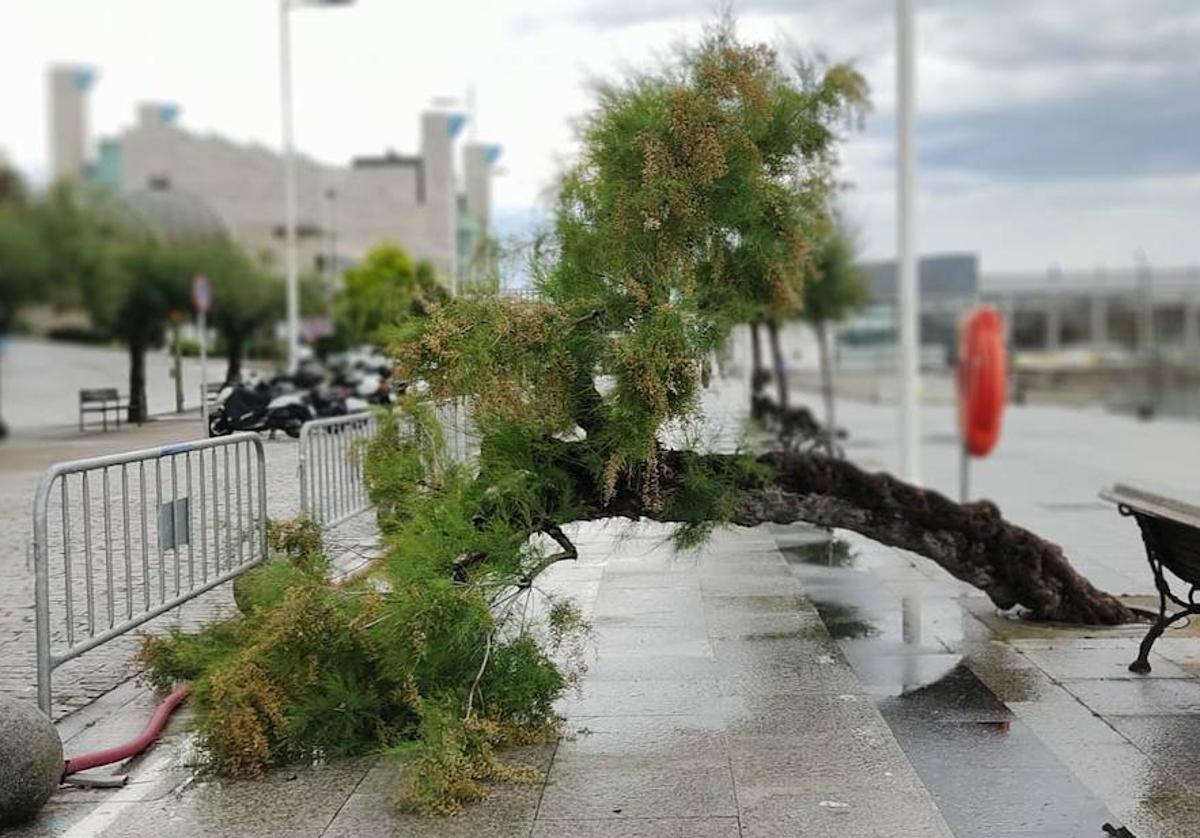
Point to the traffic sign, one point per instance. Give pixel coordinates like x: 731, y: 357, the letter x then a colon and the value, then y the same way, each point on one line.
x: 201, y: 294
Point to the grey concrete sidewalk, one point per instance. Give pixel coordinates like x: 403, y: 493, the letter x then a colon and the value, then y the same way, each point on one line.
x: 717, y: 705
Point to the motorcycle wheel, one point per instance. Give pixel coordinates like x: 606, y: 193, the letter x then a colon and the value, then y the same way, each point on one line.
x: 217, y: 426
x: 292, y: 428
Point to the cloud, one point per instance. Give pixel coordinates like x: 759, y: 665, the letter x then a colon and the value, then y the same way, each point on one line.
x: 1132, y: 129
x: 1029, y: 89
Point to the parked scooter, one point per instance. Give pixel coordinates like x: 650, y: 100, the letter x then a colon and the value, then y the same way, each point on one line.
x: 243, y: 408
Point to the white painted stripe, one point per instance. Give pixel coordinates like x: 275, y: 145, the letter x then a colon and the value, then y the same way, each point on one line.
x: 99, y: 819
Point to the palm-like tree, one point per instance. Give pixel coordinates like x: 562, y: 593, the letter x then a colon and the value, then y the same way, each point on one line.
x: 835, y: 288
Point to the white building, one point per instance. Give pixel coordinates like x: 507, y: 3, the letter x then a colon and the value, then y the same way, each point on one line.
x: 67, y: 88
x: 342, y: 211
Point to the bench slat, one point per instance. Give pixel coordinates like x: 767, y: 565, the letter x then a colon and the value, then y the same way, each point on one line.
x: 1153, y: 504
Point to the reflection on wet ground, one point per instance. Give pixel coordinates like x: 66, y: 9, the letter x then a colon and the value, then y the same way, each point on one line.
x: 903, y: 633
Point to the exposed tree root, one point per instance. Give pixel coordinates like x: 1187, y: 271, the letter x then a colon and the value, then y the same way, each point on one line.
x: 798, y: 428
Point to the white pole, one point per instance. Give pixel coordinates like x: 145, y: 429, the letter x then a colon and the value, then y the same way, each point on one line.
x: 910, y: 383
x: 204, y: 369
x: 289, y: 189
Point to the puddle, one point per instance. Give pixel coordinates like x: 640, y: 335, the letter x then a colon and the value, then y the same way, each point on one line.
x: 903, y: 634
x: 988, y: 771
x: 843, y: 621
x: 830, y: 553
x: 898, y: 634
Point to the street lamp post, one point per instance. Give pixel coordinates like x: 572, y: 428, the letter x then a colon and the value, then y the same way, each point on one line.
x: 291, y: 260
x: 906, y: 262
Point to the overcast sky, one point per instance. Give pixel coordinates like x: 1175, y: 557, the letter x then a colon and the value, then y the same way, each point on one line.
x: 1052, y: 131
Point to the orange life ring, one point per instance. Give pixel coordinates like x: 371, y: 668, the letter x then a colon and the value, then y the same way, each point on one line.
x: 981, y: 379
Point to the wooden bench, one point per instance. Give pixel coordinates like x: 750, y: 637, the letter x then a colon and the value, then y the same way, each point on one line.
x: 1171, y: 533
x: 100, y: 400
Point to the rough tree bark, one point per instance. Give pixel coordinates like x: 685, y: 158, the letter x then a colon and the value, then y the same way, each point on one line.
x: 780, y: 367
x: 826, y: 362
x: 971, y: 541
x: 233, y: 368
x: 137, y: 384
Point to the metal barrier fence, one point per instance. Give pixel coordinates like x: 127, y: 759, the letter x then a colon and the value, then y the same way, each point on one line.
x: 130, y: 546
x: 331, y: 476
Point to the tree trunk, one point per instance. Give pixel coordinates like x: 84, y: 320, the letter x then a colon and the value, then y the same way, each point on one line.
x: 3, y: 425
x: 780, y: 369
x: 756, y: 369
x: 137, y: 384
x: 971, y: 541
x: 233, y: 367
x: 826, y: 363
x: 177, y: 369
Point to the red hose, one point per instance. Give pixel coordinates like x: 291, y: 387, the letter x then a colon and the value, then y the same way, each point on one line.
x: 134, y: 746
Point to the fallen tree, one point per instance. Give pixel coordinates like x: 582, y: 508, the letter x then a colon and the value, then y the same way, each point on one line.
x: 698, y: 203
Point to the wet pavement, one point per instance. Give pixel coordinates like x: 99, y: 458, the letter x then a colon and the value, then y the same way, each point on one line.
x: 716, y: 705
x: 988, y: 771
x: 1015, y: 729
x: 779, y: 682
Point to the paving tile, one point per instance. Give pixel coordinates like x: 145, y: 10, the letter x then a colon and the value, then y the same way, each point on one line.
x: 1166, y: 811
x: 1066, y: 662
x: 1145, y: 697
x: 628, y: 640
x: 679, y: 577
x: 748, y: 585
x: 695, y: 660
x: 1172, y: 742
x: 300, y: 802
x: 838, y: 811
x: 640, y: 698
x: 1120, y: 775
x: 824, y: 756
x: 797, y: 714
x: 1066, y: 723
x: 507, y: 812
x: 651, y: 607
x: 638, y: 828
x: 386, y: 776
x: 642, y: 740
x: 654, y: 791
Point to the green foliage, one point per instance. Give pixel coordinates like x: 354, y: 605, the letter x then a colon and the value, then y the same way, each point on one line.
x: 245, y: 298
x: 836, y: 285
x: 419, y: 656
x: 700, y: 200
x: 710, y: 491
x: 384, y: 290
x: 299, y: 541
x: 23, y: 264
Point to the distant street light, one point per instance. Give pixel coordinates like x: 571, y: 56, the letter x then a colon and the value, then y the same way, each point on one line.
x: 289, y: 173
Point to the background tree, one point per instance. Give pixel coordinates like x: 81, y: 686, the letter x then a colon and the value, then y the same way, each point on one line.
x: 24, y: 269
x: 835, y: 287
x: 245, y: 299
x: 385, y: 289
x: 147, y: 283
x: 24, y: 266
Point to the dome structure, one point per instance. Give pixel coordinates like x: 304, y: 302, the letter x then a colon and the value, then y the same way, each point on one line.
x: 169, y: 216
